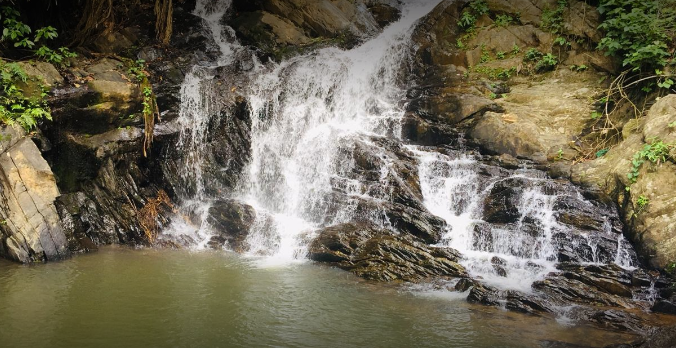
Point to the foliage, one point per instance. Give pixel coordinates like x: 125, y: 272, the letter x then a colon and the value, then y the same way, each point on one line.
x: 469, y: 16
x: 579, y: 68
x: 137, y: 70
x: 17, y: 32
x: 15, y: 106
x: 642, y: 202
x: 496, y: 73
x: 656, y: 152
x: 54, y: 56
x: 485, y: 55
x: 503, y: 20
x: 546, y: 63
x: 671, y: 267
x: 532, y: 55
x: 552, y: 19
x: 601, y: 153
x: 561, y: 41
x: 638, y: 31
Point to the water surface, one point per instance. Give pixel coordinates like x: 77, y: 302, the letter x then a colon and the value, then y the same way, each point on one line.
x: 147, y: 298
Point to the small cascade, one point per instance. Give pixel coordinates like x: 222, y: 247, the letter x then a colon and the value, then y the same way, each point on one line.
x: 307, y: 113
x: 199, y: 109
x: 508, y: 254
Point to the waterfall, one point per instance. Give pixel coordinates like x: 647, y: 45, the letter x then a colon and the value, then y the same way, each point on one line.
x: 505, y: 256
x: 310, y: 117
x: 305, y: 112
x: 199, y: 108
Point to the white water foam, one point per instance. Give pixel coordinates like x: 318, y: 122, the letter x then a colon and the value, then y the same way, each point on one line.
x: 199, y: 107
x: 451, y: 191
x: 304, y: 111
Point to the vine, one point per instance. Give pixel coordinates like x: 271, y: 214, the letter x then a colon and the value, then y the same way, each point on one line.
x: 150, y: 111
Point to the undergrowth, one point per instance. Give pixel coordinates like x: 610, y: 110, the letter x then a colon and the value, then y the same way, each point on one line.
x: 17, y: 107
x: 18, y: 34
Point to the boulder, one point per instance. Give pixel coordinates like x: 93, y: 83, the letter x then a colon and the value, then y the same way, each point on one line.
x: 378, y: 254
x: 231, y: 221
x: 507, y: 133
x: 45, y: 72
x: 652, y: 227
x: 30, y: 229
x: 607, y: 285
x: 501, y: 205
x: 282, y: 28
x: 530, y: 10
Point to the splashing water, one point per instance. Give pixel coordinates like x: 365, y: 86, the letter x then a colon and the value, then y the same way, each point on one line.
x: 451, y: 190
x: 504, y: 256
x: 309, y: 114
x: 304, y: 112
x: 199, y: 107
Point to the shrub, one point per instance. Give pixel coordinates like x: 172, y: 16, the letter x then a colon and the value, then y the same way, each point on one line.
x: 503, y: 20
x: 656, y: 152
x: 469, y: 16
x: 15, y: 106
x: 638, y: 31
x: 15, y: 31
x: 552, y: 19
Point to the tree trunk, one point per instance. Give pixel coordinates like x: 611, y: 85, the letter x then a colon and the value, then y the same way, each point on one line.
x: 164, y: 10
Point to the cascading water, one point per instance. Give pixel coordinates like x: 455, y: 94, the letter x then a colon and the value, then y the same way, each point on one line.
x: 508, y: 256
x: 311, y: 117
x: 306, y: 111
x: 198, y: 109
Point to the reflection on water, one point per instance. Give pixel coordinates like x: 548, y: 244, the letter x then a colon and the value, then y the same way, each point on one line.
x: 147, y: 298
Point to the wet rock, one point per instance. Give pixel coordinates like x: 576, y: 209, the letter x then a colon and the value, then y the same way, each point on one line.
x: 464, y: 284
x: 374, y: 253
x: 519, y: 302
x: 664, y: 306
x: 484, y: 294
x: 660, y: 338
x: 282, y: 28
x: 587, y: 214
x: 502, y: 203
x: 232, y: 221
x: 601, y: 285
x: 618, y: 320
x: 384, y: 12
x: 498, y: 265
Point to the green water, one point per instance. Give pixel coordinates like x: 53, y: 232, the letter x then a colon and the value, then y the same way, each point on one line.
x: 148, y: 298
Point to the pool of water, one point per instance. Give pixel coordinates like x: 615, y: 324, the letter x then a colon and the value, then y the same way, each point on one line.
x: 119, y: 297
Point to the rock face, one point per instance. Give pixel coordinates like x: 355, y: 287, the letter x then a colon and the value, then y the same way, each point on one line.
x: 383, y: 255
x: 542, y: 119
x: 280, y: 28
x: 653, y: 227
x: 30, y: 229
x: 96, y: 153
